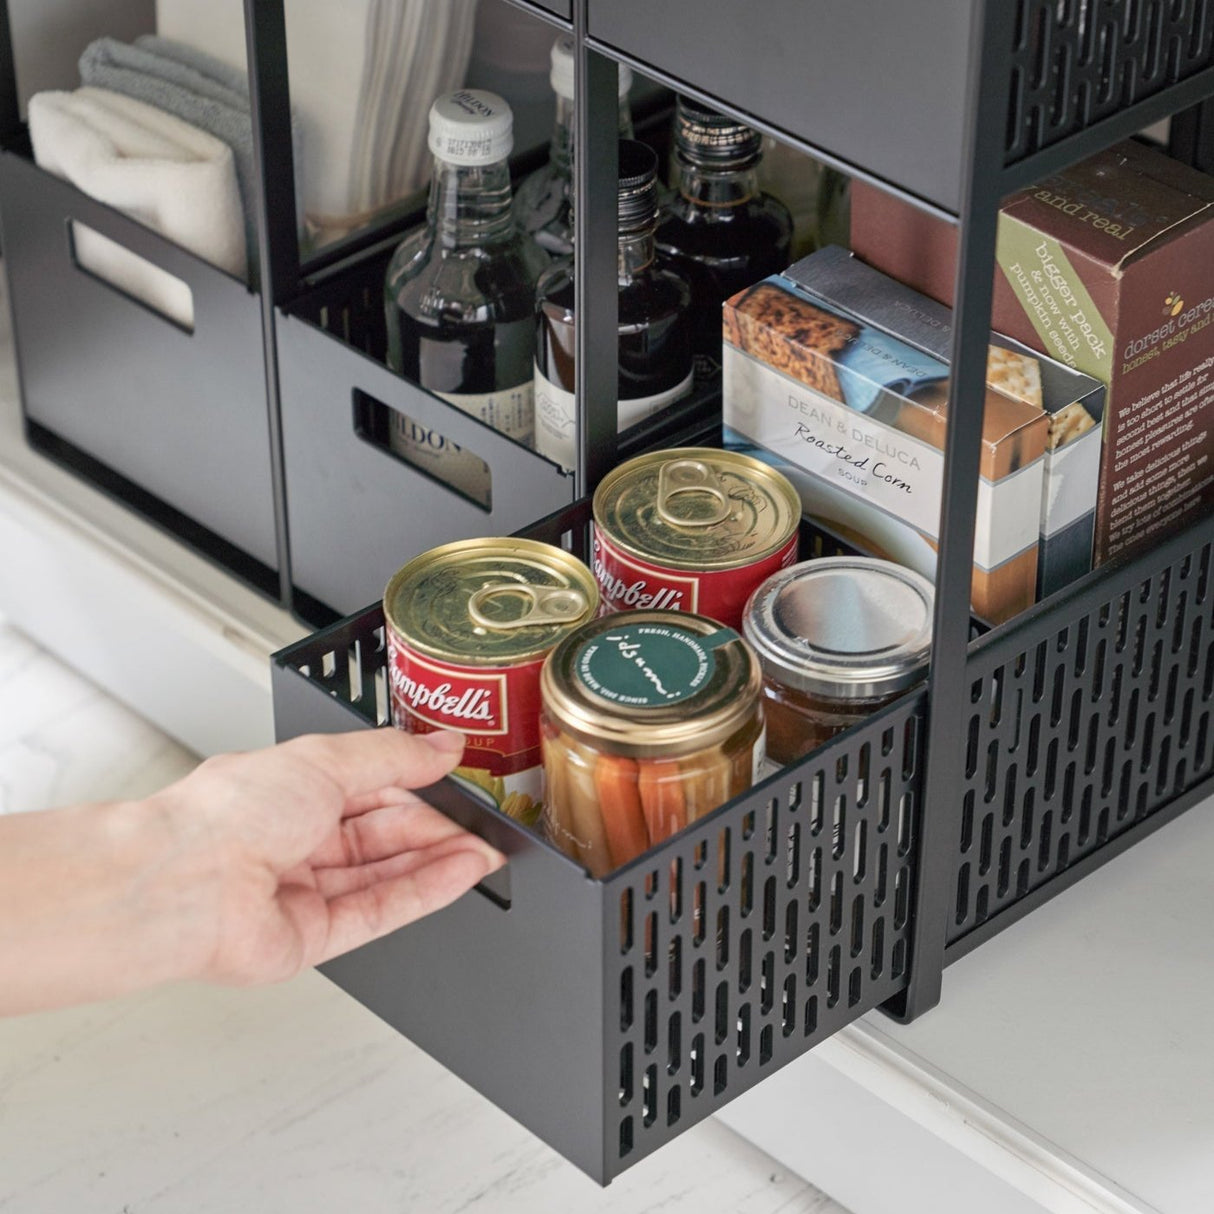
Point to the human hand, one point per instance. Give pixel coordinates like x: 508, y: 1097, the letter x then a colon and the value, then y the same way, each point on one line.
x: 313, y: 847
x: 252, y: 868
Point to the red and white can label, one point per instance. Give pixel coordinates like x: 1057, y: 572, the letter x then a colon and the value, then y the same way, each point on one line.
x: 628, y: 583
x: 497, y: 707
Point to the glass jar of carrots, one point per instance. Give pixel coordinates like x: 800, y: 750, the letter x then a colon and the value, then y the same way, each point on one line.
x: 650, y: 720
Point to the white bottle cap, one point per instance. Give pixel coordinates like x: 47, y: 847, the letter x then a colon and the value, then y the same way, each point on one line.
x: 561, y: 75
x: 471, y: 126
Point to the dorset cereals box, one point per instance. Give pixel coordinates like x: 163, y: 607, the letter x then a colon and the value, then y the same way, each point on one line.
x: 1107, y: 266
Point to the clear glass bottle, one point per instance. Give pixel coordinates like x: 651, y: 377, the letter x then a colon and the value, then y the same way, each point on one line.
x: 654, y: 334
x: 542, y: 203
x: 459, y: 296
x: 718, y: 227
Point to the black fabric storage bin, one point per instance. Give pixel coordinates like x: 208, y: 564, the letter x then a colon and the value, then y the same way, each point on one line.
x: 174, y: 422
x: 609, y: 1015
x: 356, y: 512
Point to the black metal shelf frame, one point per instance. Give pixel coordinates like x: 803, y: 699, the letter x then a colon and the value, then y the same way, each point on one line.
x: 852, y: 880
x: 1035, y: 799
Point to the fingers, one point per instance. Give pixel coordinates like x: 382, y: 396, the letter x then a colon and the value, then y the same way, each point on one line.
x: 363, y: 915
x: 406, y: 825
x: 335, y: 881
x: 370, y: 760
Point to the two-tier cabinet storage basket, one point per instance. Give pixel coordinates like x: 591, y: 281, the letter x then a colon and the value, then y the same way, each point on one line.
x: 609, y: 1015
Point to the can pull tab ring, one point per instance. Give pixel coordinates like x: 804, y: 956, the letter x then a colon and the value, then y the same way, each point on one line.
x: 544, y: 605
x: 691, y: 476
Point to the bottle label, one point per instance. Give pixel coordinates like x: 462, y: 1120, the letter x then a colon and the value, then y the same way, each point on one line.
x: 510, y: 411
x: 555, y: 419
x: 556, y: 416
x: 641, y: 407
x: 760, y: 765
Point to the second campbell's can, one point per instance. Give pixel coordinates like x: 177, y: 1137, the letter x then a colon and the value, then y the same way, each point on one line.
x: 692, y: 529
x: 467, y: 628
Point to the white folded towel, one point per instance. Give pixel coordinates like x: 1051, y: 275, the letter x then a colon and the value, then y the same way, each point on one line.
x: 176, y: 179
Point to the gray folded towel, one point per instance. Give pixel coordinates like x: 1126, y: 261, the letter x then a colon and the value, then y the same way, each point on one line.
x: 234, y: 79
x: 193, y: 86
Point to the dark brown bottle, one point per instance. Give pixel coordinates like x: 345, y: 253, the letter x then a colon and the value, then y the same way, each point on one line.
x: 543, y: 206
x: 654, y: 337
x: 718, y: 228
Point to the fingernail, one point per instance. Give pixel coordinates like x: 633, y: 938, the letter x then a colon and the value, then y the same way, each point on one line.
x: 446, y: 741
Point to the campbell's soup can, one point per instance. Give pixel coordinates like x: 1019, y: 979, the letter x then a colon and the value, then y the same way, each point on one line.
x: 692, y: 529
x: 467, y: 628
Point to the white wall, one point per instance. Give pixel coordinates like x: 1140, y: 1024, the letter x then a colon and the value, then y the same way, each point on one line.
x: 48, y: 36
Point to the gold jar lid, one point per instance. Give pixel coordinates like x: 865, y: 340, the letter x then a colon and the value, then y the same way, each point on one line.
x: 489, y: 602
x: 697, y: 508
x: 650, y: 684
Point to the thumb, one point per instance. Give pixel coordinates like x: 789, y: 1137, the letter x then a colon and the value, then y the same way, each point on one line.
x: 447, y: 742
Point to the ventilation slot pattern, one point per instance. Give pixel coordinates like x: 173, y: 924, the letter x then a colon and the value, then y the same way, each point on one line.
x: 764, y: 931
x: 1087, y: 730
x: 1075, y: 62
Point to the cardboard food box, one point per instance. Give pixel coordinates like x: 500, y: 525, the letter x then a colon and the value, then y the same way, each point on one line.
x: 1074, y: 402
x: 1108, y: 266
x: 856, y: 417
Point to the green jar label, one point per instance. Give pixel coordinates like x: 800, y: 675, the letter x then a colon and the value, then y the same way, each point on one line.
x: 647, y: 665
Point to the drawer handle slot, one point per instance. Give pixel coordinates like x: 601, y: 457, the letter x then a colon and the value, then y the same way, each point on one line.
x: 130, y: 275
x: 496, y: 887
x: 456, y: 468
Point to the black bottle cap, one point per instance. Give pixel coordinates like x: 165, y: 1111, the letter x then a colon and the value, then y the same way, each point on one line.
x: 638, y: 186
x: 707, y: 137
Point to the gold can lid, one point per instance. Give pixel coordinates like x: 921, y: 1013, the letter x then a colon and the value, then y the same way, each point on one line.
x: 651, y: 683
x: 489, y: 602
x: 697, y: 508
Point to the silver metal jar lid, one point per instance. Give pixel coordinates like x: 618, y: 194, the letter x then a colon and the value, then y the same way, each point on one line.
x: 846, y: 628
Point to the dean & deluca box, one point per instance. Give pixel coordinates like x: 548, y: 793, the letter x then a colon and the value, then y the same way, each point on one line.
x: 1073, y: 402
x: 1108, y: 266
x: 855, y: 418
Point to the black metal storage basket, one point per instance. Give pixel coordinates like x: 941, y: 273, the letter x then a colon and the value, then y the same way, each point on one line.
x: 355, y: 511
x: 867, y: 86
x: 150, y: 412
x: 1086, y: 721
x: 609, y: 1015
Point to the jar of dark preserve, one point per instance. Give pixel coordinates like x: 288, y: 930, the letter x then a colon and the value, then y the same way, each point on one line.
x: 837, y: 639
